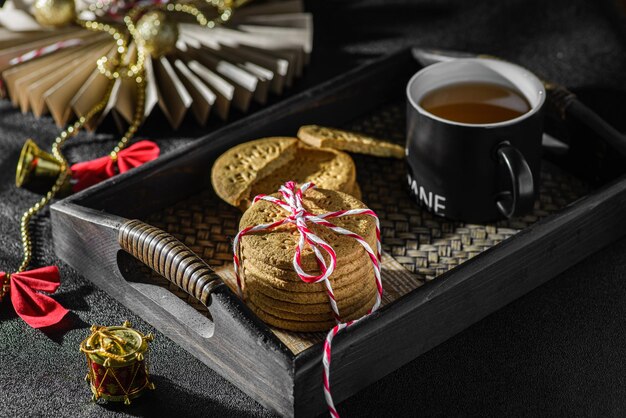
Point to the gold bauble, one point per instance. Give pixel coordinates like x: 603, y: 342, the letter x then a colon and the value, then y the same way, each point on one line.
x: 157, y: 33
x: 56, y: 13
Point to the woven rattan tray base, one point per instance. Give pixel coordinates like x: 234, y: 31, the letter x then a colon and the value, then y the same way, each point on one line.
x: 418, y: 246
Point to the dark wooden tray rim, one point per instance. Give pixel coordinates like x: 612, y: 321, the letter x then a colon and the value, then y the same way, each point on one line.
x: 495, y: 277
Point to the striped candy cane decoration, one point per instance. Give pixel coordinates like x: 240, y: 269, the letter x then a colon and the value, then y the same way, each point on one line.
x: 35, y: 53
x: 292, y: 203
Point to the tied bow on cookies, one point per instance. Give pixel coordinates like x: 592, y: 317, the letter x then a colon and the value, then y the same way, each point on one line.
x: 36, y: 309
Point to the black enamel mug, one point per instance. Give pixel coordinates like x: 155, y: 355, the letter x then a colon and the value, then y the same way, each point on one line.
x: 474, y: 172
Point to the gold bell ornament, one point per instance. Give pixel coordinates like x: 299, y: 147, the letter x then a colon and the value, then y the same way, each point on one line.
x: 54, y: 13
x: 37, y: 170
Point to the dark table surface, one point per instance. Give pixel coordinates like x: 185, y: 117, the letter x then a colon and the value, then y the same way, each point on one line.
x: 555, y: 352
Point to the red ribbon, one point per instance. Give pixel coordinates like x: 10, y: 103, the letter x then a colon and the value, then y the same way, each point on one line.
x: 92, y: 172
x: 36, y: 309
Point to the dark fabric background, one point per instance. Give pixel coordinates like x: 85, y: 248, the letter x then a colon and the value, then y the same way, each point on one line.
x: 558, y: 351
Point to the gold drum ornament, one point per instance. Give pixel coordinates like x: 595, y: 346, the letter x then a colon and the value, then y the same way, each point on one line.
x: 117, y: 362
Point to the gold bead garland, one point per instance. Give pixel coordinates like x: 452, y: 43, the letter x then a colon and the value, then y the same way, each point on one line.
x: 69, y: 132
x: 56, y: 152
x: 130, y: 70
x: 137, y: 117
x: 224, y: 12
x: 5, y: 285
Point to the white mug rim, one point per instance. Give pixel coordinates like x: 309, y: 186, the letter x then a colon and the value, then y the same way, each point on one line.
x: 522, y: 70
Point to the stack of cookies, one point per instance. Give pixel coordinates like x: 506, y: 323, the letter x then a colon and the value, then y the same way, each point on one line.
x: 272, y: 288
x: 263, y: 165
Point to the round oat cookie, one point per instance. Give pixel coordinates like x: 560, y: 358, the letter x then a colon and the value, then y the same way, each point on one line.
x: 293, y: 316
x: 343, y: 268
x: 343, y: 274
x: 308, y: 317
x: 253, y: 292
x: 326, y: 168
x: 237, y: 169
x: 301, y: 313
x: 336, y: 281
x: 311, y: 317
x: 302, y: 326
x: 276, y: 247
x: 358, y: 286
x: 290, y: 325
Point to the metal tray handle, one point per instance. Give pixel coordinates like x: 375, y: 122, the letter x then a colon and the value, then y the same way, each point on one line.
x: 170, y: 258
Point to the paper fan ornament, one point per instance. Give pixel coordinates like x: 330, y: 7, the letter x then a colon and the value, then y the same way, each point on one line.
x: 202, y: 57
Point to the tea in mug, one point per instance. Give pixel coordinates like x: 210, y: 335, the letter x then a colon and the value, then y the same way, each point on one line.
x: 475, y: 103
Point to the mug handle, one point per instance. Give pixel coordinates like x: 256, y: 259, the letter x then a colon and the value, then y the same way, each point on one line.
x: 521, y: 197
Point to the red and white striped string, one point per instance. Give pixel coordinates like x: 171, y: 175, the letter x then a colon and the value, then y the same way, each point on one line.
x: 35, y: 53
x: 299, y: 216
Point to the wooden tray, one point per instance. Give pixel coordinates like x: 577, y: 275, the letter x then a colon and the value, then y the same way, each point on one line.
x: 439, y: 276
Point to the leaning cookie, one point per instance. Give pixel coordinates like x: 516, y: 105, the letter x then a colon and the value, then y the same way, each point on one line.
x: 235, y: 171
x: 356, y: 192
x: 323, y: 137
x: 326, y: 168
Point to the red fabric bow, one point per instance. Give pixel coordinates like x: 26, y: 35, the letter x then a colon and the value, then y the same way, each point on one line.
x: 36, y: 309
x: 92, y: 172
